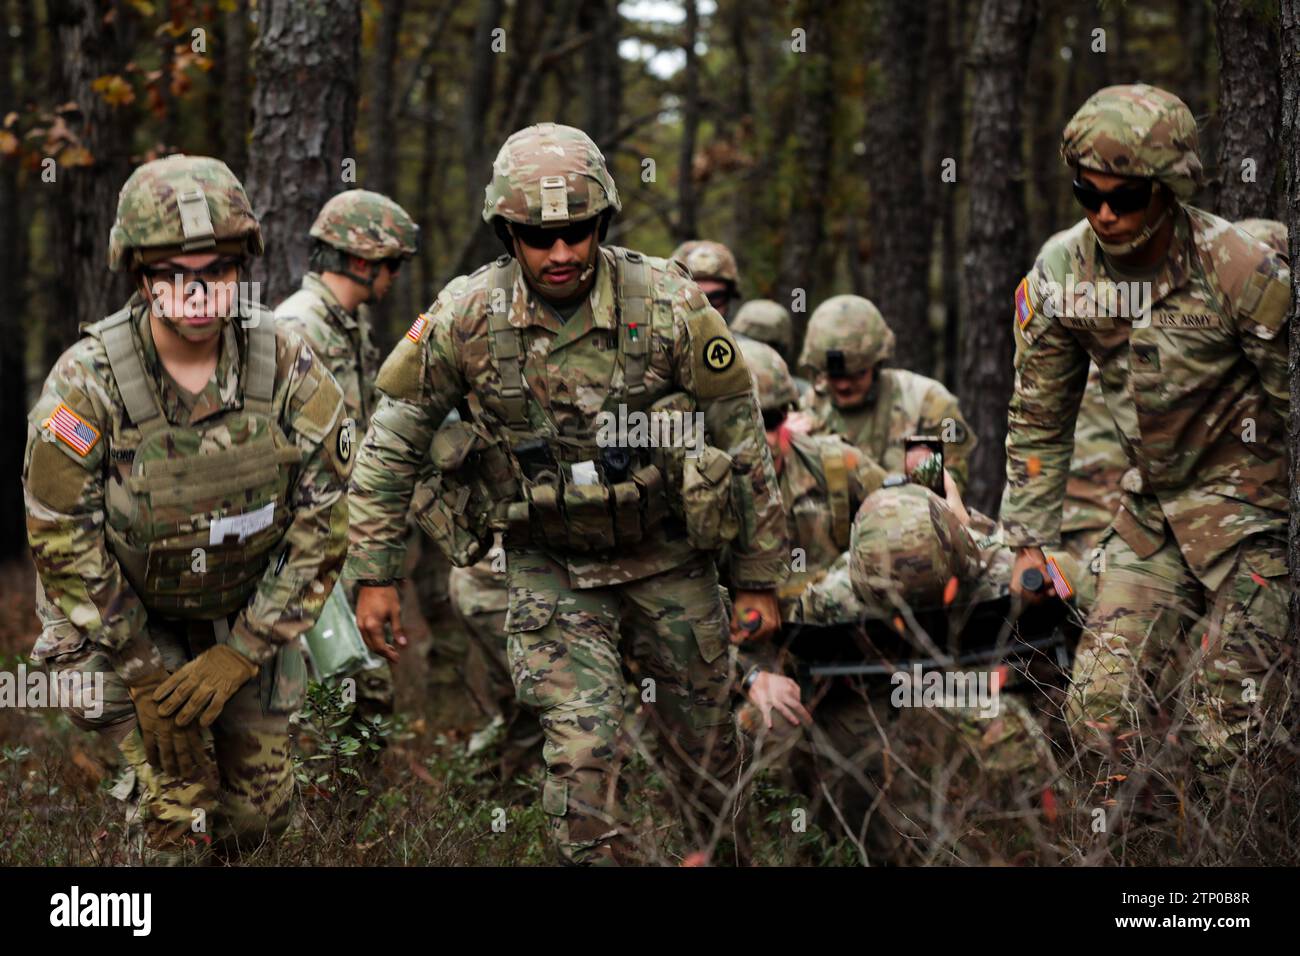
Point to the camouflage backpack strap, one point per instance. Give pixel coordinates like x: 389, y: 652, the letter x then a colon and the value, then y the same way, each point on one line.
x: 837, y: 491
x: 138, y: 393
x: 259, y: 385
x: 632, y: 278
x: 506, y: 342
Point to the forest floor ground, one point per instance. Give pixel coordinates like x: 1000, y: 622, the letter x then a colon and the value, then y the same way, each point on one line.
x: 429, y: 799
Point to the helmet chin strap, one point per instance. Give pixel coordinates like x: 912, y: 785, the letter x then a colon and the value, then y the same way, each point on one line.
x: 1138, y: 241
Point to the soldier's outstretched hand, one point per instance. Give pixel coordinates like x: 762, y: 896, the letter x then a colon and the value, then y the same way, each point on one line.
x: 1027, y: 558
x: 377, y: 606
x: 777, y: 691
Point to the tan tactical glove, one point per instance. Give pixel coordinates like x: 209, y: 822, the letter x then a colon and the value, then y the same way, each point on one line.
x: 208, y: 682
x: 171, y: 749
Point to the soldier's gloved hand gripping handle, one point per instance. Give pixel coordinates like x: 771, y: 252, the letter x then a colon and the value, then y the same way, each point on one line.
x: 378, y: 605
x: 1027, y: 558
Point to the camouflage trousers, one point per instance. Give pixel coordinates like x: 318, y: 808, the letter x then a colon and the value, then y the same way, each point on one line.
x: 921, y: 785
x: 239, y: 800
x: 480, y: 606
x: 1084, y: 547
x: 566, y: 647
x: 1182, y: 694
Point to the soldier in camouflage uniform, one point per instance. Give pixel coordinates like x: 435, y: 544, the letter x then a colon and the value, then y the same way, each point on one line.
x: 359, y: 241
x: 871, y: 406
x: 1185, y: 655
x: 713, y: 268
x: 1270, y: 232
x: 1092, y: 492
x: 480, y: 599
x: 537, y: 345
x: 914, y: 778
x: 823, y: 479
x: 184, y: 482
x: 769, y: 322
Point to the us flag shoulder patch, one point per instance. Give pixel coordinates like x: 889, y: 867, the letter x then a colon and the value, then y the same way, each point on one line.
x: 416, y: 332
x: 1024, y: 309
x: 73, y: 430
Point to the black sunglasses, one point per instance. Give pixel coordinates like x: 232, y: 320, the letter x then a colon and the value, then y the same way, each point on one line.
x: 720, y: 298
x: 774, y: 418
x: 539, y: 237
x: 212, y: 272
x: 394, y: 264
x: 1124, y: 200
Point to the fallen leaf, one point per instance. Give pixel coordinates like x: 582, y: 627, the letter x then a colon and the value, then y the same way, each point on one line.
x: 1049, y: 805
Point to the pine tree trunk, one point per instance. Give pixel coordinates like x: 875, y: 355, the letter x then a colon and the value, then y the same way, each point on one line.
x: 304, y: 116
x: 234, y: 88
x: 13, y: 332
x: 996, y: 249
x: 85, y: 197
x: 898, y: 219
x: 1249, y: 109
x: 805, y: 227
x: 1290, y: 87
x: 687, y: 226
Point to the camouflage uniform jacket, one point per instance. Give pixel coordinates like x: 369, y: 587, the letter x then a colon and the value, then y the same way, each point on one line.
x: 342, y: 341
x: 1200, y: 393
x: 68, y: 505
x: 1092, y: 493
x: 571, y: 375
x: 823, y: 481
x: 902, y: 404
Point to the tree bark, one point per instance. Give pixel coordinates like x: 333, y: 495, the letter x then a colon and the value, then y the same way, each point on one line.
x: 1290, y: 89
x: 687, y: 226
x: 383, y: 166
x: 85, y: 197
x: 995, y: 246
x: 603, y: 66
x: 1250, y: 103
x: 805, y: 227
x: 234, y: 88
x: 13, y: 332
x: 944, y: 141
x: 898, y: 219
x: 304, y: 117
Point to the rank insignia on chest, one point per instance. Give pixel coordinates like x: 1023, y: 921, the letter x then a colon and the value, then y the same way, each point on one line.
x: 73, y: 430
x: 416, y: 332
x: 1024, y: 309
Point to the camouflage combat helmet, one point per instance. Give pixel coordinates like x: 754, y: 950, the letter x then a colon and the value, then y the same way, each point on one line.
x: 847, y: 331
x: 705, y: 259
x: 181, y: 204
x: 549, y: 175
x: 771, y: 375
x: 1268, y: 231
x: 1136, y: 130
x: 766, y: 321
x: 902, y: 549
x: 367, y: 225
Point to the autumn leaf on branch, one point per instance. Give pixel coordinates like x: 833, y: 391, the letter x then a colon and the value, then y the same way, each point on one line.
x: 114, y: 90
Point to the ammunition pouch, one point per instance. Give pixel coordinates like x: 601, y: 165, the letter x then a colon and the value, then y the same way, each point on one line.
x: 697, y: 486
x: 619, y: 509
x: 706, y: 499
x: 470, y: 484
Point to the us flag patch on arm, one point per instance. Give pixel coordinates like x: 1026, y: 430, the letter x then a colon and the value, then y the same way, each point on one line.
x: 73, y: 430
x: 1024, y: 308
x: 416, y: 331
